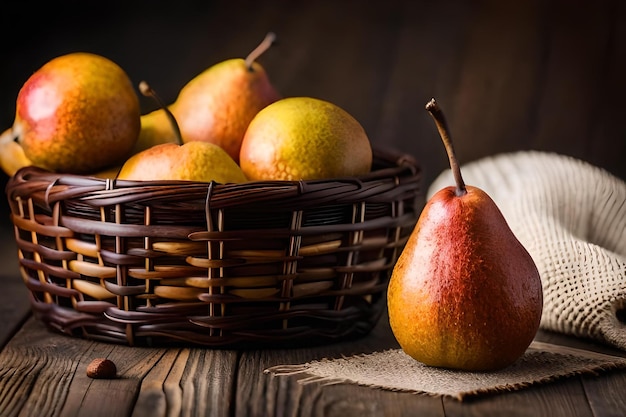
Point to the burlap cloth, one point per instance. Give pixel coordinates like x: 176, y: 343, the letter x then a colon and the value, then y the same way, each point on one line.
x: 394, y: 370
x: 571, y: 217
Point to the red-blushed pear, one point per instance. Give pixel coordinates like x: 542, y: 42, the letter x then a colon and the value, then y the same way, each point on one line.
x: 464, y: 294
x: 217, y: 105
x: 13, y: 158
x: 190, y: 161
x: 78, y: 113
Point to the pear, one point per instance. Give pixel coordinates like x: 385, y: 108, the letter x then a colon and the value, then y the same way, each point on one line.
x: 155, y: 130
x: 76, y: 114
x: 304, y: 138
x: 12, y: 156
x: 192, y: 161
x: 217, y: 105
x: 189, y: 161
x: 464, y: 293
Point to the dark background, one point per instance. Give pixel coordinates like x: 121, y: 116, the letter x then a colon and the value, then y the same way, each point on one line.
x: 547, y: 75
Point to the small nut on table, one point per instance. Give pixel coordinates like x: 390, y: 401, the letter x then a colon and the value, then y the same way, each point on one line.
x: 101, y: 368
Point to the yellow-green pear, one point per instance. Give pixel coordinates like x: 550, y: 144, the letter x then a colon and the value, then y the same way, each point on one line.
x: 155, y: 130
x: 304, y: 138
x: 192, y: 161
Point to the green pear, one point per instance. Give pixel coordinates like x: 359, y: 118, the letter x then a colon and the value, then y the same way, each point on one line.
x: 217, y: 105
x: 464, y: 293
x: 78, y: 113
x: 304, y: 138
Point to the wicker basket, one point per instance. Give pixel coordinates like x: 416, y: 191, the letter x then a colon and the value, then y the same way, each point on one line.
x: 260, y: 263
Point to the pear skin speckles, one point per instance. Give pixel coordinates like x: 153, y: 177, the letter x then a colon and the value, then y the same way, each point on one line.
x: 192, y: 161
x: 303, y: 138
x: 78, y: 113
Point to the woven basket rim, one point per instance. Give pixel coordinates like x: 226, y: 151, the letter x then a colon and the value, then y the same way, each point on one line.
x: 400, y: 159
x: 103, y: 191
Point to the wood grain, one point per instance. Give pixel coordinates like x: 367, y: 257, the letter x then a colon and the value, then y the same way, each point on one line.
x: 537, y: 74
x: 44, y: 373
x: 14, y: 307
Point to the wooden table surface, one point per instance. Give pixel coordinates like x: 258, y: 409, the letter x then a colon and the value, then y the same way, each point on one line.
x: 545, y: 75
x: 44, y: 374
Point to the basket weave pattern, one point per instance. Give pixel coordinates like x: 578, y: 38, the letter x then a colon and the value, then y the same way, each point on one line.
x: 222, y: 265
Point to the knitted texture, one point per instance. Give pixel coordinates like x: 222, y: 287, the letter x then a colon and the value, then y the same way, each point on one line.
x: 571, y: 217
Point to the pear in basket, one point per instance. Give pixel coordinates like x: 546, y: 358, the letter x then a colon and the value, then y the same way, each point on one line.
x: 190, y: 161
x: 464, y: 294
x: 304, y: 138
x: 78, y: 113
x: 216, y: 106
x: 12, y: 156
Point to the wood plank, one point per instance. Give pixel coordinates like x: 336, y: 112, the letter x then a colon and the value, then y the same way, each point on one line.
x: 571, y: 97
x: 45, y: 373
x: 606, y: 394
x: 578, y: 342
x: 499, y: 79
x: 14, y: 304
x: 208, y: 383
x: 356, y: 37
x: 182, y: 45
x: 96, y: 397
x: 153, y: 399
x: 39, y: 372
x: 259, y: 393
x: 561, y: 398
x: 344, y: 400
x: 426, y: 64
x: 607, y: 143
x: 48, y: 374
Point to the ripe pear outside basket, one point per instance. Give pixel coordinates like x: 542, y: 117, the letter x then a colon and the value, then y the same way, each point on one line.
x: 221, y: 265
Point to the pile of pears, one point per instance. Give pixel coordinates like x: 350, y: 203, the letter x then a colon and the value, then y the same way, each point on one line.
x: 80, y: 114
x: 464, y: 294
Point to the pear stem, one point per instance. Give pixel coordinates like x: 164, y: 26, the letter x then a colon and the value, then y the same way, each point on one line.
x: 265, y: 44
x: 442, y: 127
x: 147, y: 91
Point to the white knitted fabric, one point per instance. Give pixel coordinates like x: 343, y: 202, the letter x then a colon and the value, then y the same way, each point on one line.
x: 571, y: 217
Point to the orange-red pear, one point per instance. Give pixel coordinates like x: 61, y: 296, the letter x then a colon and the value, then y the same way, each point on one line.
x: 464, y: 294
x: 217, y: 105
